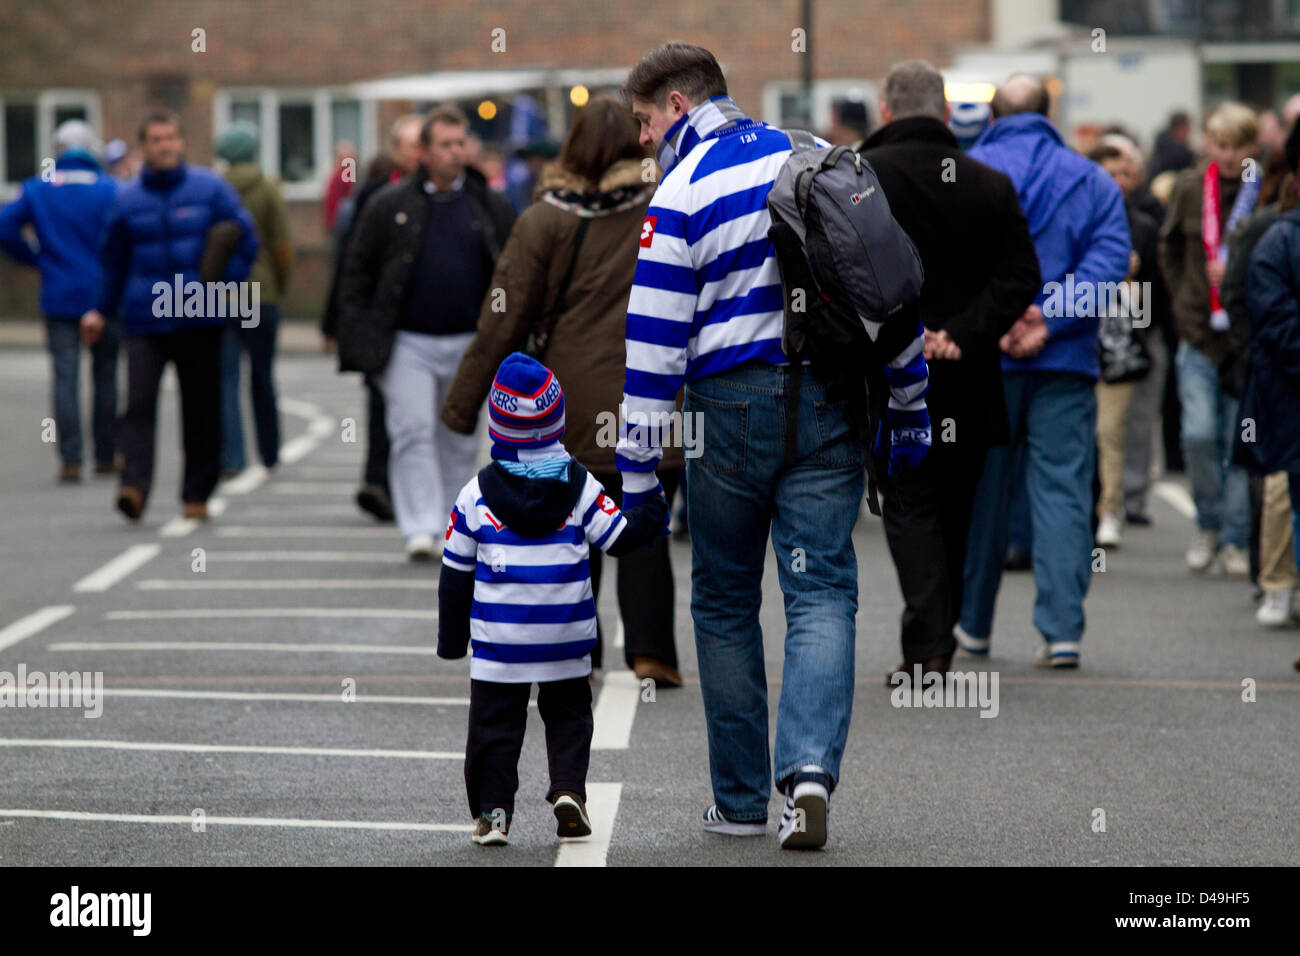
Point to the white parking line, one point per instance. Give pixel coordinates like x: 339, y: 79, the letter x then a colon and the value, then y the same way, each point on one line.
x: 208, y: 819
x: 313, y: 488
x: 73, y: 744
x: 615, y: 711
x: 602, y: 808
x: 287, y: 584
x: 329, y: 471
x: 246, y: 481
x: 242, y: 646
x: 307, y: 531
x: 215, y: 612
x: 1177, y: 498
x: 115, y: 570
x: 33, y: 623
x: 349, y: 557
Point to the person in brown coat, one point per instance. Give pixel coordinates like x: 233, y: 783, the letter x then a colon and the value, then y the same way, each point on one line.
x: 585, y: 226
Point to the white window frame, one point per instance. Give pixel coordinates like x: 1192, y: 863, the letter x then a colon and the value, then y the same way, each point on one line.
x: 321, y: 99
x: 824, y: 93
x: 46, y: 101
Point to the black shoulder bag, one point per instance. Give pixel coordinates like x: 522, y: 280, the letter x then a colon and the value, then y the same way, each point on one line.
x: 539, y: 338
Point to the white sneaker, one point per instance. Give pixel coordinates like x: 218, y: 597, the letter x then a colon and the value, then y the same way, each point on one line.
x: 715, y: 822
x: 1275, y: 609
x: 1201, y: 554
x: 1108, y: 531
x: 805, y: 820
x: 1236, y: 562
x: 972, y: 646
x: 421, y: 547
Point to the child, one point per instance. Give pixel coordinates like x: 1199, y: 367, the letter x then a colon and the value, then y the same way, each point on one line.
x: 515, y: 584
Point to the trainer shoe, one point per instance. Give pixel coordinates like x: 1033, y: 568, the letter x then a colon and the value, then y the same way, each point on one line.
x: 113, y: 467
x: 806, y: 817
x: 1057, y: 654
x: 974, y: 646
x: 486, y: 834
x: 130, y: 501
x: 69, y: 474
x: 571, y: 818
x: 1236, y: 562
x: 421, y: 547
x: 198, y: 510
x: 715, y: 822
x: 1017, y: 559
x: 1201, y: 554
x: 374, y: 499
x: 1108, y: 531
x: 1275, y: 609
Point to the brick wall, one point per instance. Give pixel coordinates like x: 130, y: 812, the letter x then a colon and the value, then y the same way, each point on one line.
x: 139, y: 54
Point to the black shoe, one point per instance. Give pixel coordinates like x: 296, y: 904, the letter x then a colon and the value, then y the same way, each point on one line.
x: 113, y: 467
x: 935, y: 665
x: 1017, y: 560
x: 70, y: 474
x: 374, y: 499
x: 1138, y: 520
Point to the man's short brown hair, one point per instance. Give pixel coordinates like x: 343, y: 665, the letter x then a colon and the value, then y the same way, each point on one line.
x: 449, y: 114
x: 158, y: 117
x: 689, y: 69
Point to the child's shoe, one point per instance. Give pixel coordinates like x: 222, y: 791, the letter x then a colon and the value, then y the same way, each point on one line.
x: 571, y: 818
x: 491, y: 831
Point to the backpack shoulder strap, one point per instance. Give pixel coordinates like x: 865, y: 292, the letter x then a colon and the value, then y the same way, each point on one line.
x: 800, y: 140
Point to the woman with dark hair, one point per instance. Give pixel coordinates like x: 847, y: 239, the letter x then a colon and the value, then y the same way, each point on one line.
x: 560, y: 290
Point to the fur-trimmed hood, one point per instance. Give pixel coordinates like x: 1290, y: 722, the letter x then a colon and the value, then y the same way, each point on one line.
x: 621, y: 187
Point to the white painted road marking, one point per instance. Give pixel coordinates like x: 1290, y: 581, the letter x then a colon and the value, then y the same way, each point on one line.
x: 242, y: 646
x: 286, y: 584
x: 178, y: 527
x: 193, y: 612
x: 360, y: 557
x: 300, y: 531
x: 73, y: 744
x: 115, y: 570
x: 246, y: 481
x: 602, y: 808
x: 33, y: 623
x: 313, y: 488
x: 208, y: 819
x: 615, y: 711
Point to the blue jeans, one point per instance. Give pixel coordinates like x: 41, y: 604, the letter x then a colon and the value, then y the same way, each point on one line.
x: 260, y: 343
x: 63, y: 337
x: 1221, y: 491
x: 737, y: 491
x: 1053, y: 418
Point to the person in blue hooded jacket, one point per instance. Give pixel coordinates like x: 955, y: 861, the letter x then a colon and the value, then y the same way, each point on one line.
x: 66, y: 210
x: 1050, y: 368
x: 154, y: 243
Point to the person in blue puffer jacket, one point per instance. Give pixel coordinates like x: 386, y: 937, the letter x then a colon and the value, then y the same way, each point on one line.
x: 66, y: 208
x: 1050, y: 369
x: 155, y: 240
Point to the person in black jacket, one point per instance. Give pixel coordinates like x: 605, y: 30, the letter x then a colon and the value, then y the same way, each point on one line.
x: 981, y: 274
x: 402, y: 159
x: 418, y: 264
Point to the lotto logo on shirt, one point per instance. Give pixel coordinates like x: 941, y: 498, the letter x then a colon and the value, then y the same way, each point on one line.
x: 648, y: 231
x: 606, y: 504
x: 451, y: 524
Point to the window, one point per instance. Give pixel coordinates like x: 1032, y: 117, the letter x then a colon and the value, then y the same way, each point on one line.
x: 27, y: 124
x: 298, y: 130
x: 843, y: 101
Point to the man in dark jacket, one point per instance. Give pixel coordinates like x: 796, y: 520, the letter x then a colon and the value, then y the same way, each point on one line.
x: 414, y: 277
x: 67, y: 212
x: 153, y: 246
x: 402, y: 159
x: 981, y: 274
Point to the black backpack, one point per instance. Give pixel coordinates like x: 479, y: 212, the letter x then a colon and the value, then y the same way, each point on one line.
x: 851, y: 279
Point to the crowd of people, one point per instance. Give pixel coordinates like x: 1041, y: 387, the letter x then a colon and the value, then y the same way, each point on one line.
x: 1079, y: 308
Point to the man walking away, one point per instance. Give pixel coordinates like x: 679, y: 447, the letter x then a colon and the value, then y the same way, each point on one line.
x: 981, y: 274
x: 415, y: 275
x: 154, y: 243
x: 238, y: 146
x: 707, y: 310
x: 1076, y: 216
x: 67, y: 213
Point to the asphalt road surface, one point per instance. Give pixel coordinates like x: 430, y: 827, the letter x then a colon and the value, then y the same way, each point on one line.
x: 227, y: 651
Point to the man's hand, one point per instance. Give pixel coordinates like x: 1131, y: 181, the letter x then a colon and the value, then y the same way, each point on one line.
x: 92, y: 325
x: 1027, y: 337
x: 634, y: 499
x: 939, y: 345
x: 1214, y: 271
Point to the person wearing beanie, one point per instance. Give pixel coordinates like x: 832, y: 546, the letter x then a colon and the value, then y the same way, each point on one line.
x: 238, y: 146
x: 66, y: 213
x: 516, y: 588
